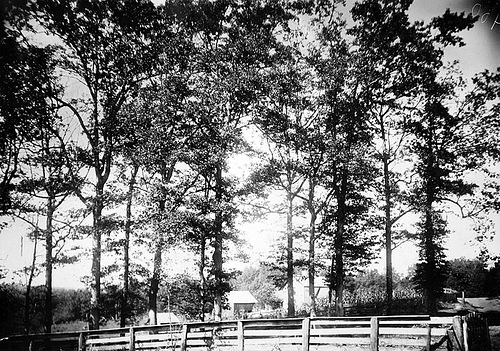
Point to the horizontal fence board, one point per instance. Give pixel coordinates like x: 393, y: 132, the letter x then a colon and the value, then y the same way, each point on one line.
x: 103, y: 341
x: 156, y: 345
x: 274, y: 341
x: 339, y: 348
x: 339, y: 327
x: 411, y: 331
x: 402, y: 342
x: 200, y: 335
x: 274, y: 347
x: 413, y: 323
x: 156, y: 337
x: 341, y: 341
x: 272, y: 333
x: 207, y: 343
x: 107, y: 347
x: 341, y: 331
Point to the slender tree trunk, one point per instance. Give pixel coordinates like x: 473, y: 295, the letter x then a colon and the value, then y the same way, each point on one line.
x: 27, y: 297
x: 430, y: 259
x: 155, y: 279
x: 203, y: 284
x: 166, y: 173
x: 388, y: 234
x: 95, y: 287
x: 289, y: 256
x: 339, y: 267
x: 312, y: 242
x: 124, y: 308
x: 339, y: 245
x: 155, y: 283
x: 48, y: 265
x: 218, y: 246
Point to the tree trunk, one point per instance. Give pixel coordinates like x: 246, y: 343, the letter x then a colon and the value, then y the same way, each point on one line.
x: 312, y: 242
x: 339, y: 267
x: 155, y: 279
x: 339, y: 244
x: 203, y: 284
x: 430, y: 261
x: 27, y: 298
x: 48, y: 265
x: 166, y: 173
x: 124, y: 308
x: 289, y: 256
x: 218, y: 246
x: 388, y: 234
x: 154, y: 287
x: 95, y: 285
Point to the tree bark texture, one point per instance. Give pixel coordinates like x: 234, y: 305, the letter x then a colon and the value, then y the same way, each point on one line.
x: 289, y: 257
x: 48, y: 264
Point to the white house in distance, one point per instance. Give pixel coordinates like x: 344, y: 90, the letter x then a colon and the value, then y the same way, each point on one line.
x: 163, y: 318
x: 240, y: 302
x: 301, y: 293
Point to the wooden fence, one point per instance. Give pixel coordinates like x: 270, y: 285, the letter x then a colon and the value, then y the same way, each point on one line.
x: 298, y: 334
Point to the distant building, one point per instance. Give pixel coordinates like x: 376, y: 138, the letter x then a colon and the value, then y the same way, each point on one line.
x: 167, y: 318
x: 301, y: 293
x: 240, y: 302
x: 163, y: 318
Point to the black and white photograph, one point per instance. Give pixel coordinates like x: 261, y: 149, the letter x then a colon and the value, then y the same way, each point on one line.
x: 249, y: 175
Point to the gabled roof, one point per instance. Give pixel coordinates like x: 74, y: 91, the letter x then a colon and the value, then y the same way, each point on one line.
x: 241, y: 296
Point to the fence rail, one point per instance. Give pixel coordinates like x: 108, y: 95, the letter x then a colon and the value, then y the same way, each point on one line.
x: 295, y: 334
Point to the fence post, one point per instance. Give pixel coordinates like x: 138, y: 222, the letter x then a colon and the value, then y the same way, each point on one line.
x: 374, y: 334
x: 81, y: 342
x: 184, y: 334
x: 459, y: 331
x: 429, y: 337
x: 306, y: 333
x: 466, y: 334
x: 241, y: 336
x: 131, y: 345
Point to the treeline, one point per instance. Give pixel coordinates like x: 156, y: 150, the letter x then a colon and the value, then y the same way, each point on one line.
x: 137, y: 112
x: 71, y: 307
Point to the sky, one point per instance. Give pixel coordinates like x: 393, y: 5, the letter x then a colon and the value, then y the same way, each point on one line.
x: 481, y: 52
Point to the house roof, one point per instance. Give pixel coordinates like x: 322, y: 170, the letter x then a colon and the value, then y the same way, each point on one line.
x: 241, y: 296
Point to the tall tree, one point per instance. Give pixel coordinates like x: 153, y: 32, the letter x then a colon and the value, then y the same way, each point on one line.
x: 281, y: 122
x: 234, y: 41
x: 344, y: 97
x: 388, y: 45
x: 437, y: 131
x: 109, y: 48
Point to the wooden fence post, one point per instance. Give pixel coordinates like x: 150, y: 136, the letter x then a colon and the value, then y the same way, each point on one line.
x: 458, y: 331
x: 81, y: 342
x: 131, y: 346
x: 466, y: 334
x: 429, y: 338
x: 374, y: 334
x: 241, y: 336
x: 184, y: 334
x: 306, y: 333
